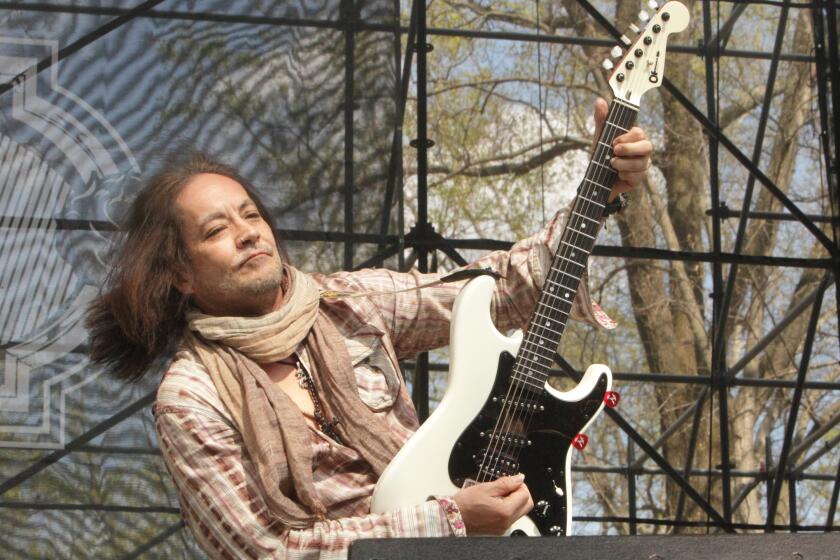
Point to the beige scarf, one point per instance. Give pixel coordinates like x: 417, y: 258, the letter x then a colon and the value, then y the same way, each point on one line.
x: 274, y: 430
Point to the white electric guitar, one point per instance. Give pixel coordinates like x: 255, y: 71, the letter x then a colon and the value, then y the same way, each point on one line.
x: 499, y: 416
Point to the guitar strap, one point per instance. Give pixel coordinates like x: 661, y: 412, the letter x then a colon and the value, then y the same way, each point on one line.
x: 456, y: 276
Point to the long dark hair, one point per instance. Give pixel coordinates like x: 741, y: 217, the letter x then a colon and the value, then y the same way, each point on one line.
x: 139, y: 316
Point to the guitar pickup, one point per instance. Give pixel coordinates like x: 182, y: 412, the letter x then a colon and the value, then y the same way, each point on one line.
x: 496, y: 463
x: 519, y: 404
x: 518, y: 440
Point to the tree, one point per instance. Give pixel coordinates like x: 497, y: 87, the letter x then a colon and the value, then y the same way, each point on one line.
x: 489, y: 103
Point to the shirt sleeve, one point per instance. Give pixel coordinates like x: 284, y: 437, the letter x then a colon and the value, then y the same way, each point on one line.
x: 221, y: 503
x: 419, y: 309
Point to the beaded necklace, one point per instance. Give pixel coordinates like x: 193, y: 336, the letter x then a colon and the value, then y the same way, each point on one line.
x: 306, y: 382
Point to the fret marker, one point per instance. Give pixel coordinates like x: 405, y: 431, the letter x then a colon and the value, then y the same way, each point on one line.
x: 573, y: 254
x: 582, y: 226
x: 541, y: 341
x: 548, y: 323
x: 551, y: 289
x: 567, y: 294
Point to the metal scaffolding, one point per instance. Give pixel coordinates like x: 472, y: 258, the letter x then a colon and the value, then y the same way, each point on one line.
x: 790, y: 464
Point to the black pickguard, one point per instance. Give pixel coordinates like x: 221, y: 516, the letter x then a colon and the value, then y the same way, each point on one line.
x: 550, y: 432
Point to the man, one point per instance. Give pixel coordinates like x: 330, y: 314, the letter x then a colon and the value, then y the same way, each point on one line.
x: 285, y: 400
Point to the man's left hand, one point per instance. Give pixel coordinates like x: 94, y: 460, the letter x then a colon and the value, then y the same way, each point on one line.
x: 632, y: 152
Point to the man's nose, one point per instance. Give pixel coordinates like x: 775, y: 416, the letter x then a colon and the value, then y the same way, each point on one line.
x: 248, y: 234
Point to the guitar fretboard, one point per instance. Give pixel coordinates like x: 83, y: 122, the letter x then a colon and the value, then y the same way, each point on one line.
x: 548, y: 321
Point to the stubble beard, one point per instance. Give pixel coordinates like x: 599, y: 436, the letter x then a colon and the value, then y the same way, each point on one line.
x: 255, y: 293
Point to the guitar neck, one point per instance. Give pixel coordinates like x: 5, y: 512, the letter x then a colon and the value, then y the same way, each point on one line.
x: 548, y: 322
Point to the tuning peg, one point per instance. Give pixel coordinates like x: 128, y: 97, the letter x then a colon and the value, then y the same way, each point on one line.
x: 635, y: 28
x: 626, y: 41
x: 616, y: 51
x: 643, y: 16
x: 607, y: 64
x: 653, y: 5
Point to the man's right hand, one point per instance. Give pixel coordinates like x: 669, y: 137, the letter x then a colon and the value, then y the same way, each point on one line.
x: 490, y: 508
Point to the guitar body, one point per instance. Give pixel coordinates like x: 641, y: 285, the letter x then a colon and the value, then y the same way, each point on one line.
x: 438, y: 459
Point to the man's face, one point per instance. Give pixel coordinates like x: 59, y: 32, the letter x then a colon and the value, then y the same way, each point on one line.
x: 233, y: 267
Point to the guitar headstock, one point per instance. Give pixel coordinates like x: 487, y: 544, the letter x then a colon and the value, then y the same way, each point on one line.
x: 642, y: 64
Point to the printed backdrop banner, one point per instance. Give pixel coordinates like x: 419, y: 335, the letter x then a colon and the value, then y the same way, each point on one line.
x: 259, y: 85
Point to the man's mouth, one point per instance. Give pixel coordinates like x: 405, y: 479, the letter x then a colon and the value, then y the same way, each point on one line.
x: 253, y: 256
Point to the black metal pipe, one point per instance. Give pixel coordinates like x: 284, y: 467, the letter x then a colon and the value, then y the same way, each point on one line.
x: 420, y: 389
x: 118, y: 450
x: 689, y: 456
x: 826, y: 72
x: 669, y: 470
x: 730, y: 375
x: 814, y: 457
x: 771, y: 470
x: 834, y: 69
x: 625, y: 426
x: 758, y: 475
x: 404, y: 72
x: 719, y: 40
x: 631, y: 487
x: 772, y: 335
x: 153, y: 542
x: 422, y: 140
x: 719, y: 305
x: 80, y: 43
x: 439, y: 242
x: 815, y: 435
x: 737, y: 382
x: 832, y: 506
x: 348, y: 16
x: 46, y: 506
x: 752, y: 169
x: 724, y: 212
x: 102, y: 427
x: 687, y: 379
x: 782, y: 467
x: 721, y: 319
x: 382, y: 27
x: 376, y: 260
x: 710, y: 524
x: 691, y: 256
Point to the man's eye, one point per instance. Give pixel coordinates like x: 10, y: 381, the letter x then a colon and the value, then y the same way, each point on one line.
x: 213, y: 232
x: 252, y: 215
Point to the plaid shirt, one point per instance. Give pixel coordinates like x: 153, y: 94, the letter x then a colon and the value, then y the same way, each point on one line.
x: 215, y: 479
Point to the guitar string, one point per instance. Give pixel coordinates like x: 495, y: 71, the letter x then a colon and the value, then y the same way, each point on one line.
x: 584, y: 209
x: 620, y: 118
x: 498, y: 440
x: 494, y: 432
x: 623, y: 117
x: 619, y: 114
